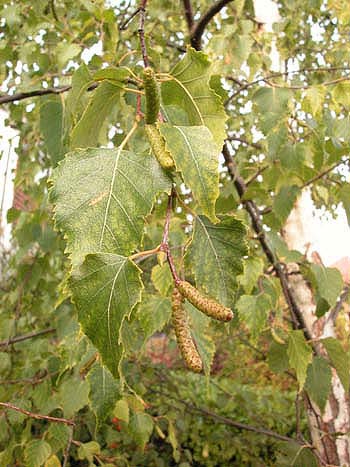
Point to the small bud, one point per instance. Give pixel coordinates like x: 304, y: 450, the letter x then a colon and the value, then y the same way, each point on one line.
x: 183, y: 334
x: 207, y: 305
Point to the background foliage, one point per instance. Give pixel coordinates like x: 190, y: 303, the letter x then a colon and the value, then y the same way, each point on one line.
x: 285, y: 131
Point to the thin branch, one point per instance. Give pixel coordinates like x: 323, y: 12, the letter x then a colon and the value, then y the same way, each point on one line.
x: 253, y: 212
x: 141, y: 32
x: 256, y: 175
x: 339, y: 305
x: 244, y: 141
x: 164, y: 246
x: 31, y: 335
x: 125, y: 24
x: 66, y: 451
x: 225, y: 420
x: 244, y: 86
x: 199, y: 27
x: 37, y: 416
x: 188, y: 13
x: 325, y: 172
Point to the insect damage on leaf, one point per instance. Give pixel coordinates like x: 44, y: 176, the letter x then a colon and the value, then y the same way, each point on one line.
x: 205, y: 304
x: 152, y: 95
x: 183, y: 334
x: 157, y: 143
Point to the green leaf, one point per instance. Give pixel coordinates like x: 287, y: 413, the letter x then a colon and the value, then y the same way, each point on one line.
x: 314, y: 98
x: 88, y: 450
x: 36, y: 452
x: 103, y: 100
x: 253, y: 311
x: 104, y: 392
x: 277, y: 357
x: 253, y: 269
x: 153, y: 313
x: 199, y: 324
x: 190, y: 91
x: 106, y: 288
x: 329, y: 282
x: 319, y: 381
x: 57, y: 436
x: 300, y: 355
x: 340, y: 360
x: 73, y: 396
x: 141, y: 427
x: 196, y: 156
x: 162, y: 278
x: 53, y: 461
x: 51, y: 126
x: 271, y: 99
x: 293, y: 455
x: 284, y: 202
x: 102, y: 197
x: 341, y: 93
x: 75, y: 102
x: 66, y: 52
x: 215, y: 254
x: 121, y: 410
x: 344, y: 196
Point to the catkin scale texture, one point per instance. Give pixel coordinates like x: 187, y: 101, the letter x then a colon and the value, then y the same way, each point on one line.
x: 205, y: 304
x: 157, y: 143
x: 152, y: 95
x: 183, y: 334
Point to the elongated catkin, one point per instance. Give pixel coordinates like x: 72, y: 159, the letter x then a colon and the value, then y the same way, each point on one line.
x: 152, y: 95
x: 157, y: 143
x: 183, y: 334
x: 205, y: 304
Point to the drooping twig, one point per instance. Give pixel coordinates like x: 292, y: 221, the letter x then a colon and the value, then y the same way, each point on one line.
x: 125, y: 23
x: 66, y: 451
x: 37, y: 416
x: 199, y: 27
x: 225, y: 420
x: 188, y: 13
x: 31, y: 335
x: 164, y: 246
x: 141, y: 32
x: 325, y: 172
x: 332, y: 316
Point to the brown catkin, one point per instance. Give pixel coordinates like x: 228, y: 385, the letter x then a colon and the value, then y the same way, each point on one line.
x: 183, y: 334
x: 205, y: 304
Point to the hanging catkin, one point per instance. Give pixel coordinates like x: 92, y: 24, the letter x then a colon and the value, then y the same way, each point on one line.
x: 183, y: 334
x: 157, y: 143
x: 152, y: 96
x: 207, y: 305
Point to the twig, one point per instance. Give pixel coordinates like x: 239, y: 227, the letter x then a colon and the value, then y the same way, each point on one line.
x: 141, y: 254
x: 141, y: 32
x: 256, y: 175
x: 253, y: 212
x: 225, y: 420
x: 245, y: 86
x: 53, y: 10
x: 188, y: 13
x: 66, y: 451
x: 325, y: 172
x: 199, y: 27
x: 31, y: 335
x: 164, y: 246
x: 125, y: 24
x: 37, y: 416
x: 244, y: 141
x: 339, y: 305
